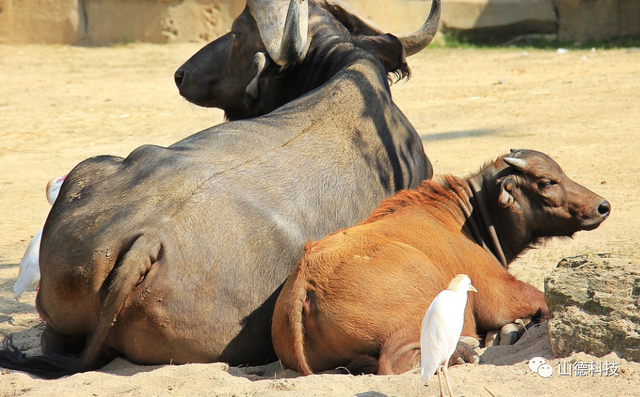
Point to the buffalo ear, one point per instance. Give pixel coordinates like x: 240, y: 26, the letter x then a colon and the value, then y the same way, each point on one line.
x: 506, y: 199
x: 260, y: 62
x: 388, y: 48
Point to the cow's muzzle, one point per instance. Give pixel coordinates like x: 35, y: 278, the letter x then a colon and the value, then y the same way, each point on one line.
x: 603, y: 211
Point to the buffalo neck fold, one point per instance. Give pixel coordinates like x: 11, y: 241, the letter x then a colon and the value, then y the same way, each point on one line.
x: 479, y: 219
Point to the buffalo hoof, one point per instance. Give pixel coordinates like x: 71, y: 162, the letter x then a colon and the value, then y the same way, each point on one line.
x: 492, y: 339
x: 464, y: 354
x: 469, y: 340
x: 508, y: 334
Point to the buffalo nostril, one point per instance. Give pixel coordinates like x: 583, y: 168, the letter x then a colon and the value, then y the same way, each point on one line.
x: 604, y: 208
x: 179, y: 77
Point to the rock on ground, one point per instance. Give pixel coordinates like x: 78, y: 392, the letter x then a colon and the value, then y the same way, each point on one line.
x: 594, y: 306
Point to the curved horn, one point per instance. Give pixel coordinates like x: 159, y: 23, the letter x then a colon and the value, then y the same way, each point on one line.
x: 412, y: 42
x: 283, y: 27
x: 418, y: 40
x: 351, y: 20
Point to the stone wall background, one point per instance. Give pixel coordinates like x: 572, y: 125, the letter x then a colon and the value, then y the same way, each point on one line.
x: 105, y: 22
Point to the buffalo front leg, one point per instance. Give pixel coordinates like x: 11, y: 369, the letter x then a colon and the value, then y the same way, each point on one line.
x: 401, y: 352
x: 509, y: 301
x: 508, y: 310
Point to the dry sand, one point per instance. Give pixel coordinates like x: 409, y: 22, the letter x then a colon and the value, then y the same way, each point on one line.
x: 60, y: 105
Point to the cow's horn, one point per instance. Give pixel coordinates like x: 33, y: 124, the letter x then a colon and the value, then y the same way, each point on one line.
x: 418, y: 40
x: 517, y: 164
x: 283, y: 27
x: 412, y: 42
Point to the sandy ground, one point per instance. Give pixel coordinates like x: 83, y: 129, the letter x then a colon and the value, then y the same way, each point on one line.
x: 60, y: 105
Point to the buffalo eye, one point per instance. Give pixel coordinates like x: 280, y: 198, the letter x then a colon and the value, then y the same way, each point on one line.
x: 544, y: 184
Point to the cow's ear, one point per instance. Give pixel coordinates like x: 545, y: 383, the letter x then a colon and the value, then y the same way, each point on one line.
x: 260, y: 63
x: 505, y: 198
x: 389, y: 50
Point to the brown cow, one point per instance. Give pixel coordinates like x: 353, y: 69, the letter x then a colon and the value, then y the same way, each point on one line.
x: 358, y: 296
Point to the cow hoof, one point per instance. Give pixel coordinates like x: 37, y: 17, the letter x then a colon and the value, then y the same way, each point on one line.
x: 492, y: 339
x: 469, y: 340
x: 510, y: 333
x: 464, y: 354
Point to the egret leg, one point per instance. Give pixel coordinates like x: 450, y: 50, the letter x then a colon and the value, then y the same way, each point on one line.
x: 446, y: 378
x: 439, y: 372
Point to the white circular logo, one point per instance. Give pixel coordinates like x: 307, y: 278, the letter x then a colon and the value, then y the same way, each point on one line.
x: 545, y: 370
x: 535, y: 363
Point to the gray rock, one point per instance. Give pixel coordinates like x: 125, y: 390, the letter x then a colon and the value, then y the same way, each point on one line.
x: 594, y: 306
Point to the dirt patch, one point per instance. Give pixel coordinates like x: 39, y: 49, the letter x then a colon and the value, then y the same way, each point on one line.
x: 60, y: 105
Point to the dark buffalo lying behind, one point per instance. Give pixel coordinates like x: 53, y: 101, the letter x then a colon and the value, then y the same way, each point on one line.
x: 175, y: 255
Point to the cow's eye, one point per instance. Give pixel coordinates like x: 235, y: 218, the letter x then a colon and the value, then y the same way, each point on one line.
x: 544, y: 184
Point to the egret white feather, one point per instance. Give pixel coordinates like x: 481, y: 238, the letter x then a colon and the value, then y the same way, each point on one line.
x: 29, y: 274
x: 441, y: 329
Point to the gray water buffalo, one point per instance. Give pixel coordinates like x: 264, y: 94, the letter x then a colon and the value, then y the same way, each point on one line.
x: 176, y: 254
x: 357, y: 298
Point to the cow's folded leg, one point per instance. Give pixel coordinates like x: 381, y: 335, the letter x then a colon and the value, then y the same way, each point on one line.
x: 363, y: 364
x: 400, y: 352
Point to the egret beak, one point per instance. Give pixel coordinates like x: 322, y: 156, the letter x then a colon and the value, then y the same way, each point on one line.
x: 472, y: 288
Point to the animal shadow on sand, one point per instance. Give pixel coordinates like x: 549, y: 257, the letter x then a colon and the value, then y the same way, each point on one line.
x: 371, y: 394
x: 449, y: 135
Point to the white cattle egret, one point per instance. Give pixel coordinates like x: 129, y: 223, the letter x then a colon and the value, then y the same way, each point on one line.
x: 53, y: 188
x: 441, y: 329
x: 29, y: 274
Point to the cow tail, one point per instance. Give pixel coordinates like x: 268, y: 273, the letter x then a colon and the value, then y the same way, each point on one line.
x: 130, y: 270
x: 300, y: 300
x: 133, y: 268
